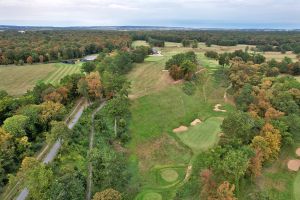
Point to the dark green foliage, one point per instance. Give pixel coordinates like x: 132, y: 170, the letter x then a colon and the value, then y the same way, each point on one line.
x: 240, y: 126
x: 139, y: 54
x: 212, y: 54
x: 88, y: 67
x: 245, y: 97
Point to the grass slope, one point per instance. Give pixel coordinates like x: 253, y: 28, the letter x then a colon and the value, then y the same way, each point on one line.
x: 202, y: 136
x: 16, y: 80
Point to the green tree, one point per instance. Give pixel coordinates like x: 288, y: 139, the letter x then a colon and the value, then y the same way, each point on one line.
x: 88, y: 67
x: 16, y: 125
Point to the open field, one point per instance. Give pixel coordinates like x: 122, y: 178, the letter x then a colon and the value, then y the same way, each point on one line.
x: 202, y: 136
x: 139, y: 43
x: 16, y: 80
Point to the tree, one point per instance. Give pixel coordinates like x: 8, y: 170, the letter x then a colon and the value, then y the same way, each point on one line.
x: 239, y: 125
x: 226, y: 192
x: 88, y: 67
x: 108, y: 194
x: 94, y: 84
x: 51, y: 111
x: 16, y: 125
x: 67, y: 186
x: 83, y: 88
x: 29, y: 60
x: 41, y: 58
x: 59, y: 130
x: 234, y: 165
x: 189, y: 68
x: 39, y: 181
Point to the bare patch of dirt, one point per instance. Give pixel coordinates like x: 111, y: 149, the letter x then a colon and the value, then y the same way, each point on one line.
x: 298, y: 152
x: 180, y: 129
x: 217, y: 108
x: 293, y: 165
x: 196, y: 122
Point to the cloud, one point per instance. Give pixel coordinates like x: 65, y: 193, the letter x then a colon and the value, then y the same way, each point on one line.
x: 196, y: 13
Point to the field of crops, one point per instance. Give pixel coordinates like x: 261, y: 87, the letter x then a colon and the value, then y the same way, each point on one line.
x: 16, y: 80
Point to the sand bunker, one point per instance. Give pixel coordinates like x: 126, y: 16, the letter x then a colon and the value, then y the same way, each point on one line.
x: 165, y: 70
x: 180, y: 129
x: 217, y: 108
x: 294, y: 165
x: 196, y: 122
x: 298, y: 152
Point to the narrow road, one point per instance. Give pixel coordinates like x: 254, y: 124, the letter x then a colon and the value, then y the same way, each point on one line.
x: 54, y: 149
x: 91, y: 145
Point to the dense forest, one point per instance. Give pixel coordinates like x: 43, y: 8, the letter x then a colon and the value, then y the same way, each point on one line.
x: 45, y: 46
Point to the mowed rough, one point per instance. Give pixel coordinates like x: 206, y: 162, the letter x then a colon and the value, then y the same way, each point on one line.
x: 202, y: 136
x: 16, y: 80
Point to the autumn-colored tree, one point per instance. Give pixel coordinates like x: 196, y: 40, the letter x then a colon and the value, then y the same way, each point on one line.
x: 256, y: 162
x: 94, y: 84
x: 209, y: 186
x: 272, y: 113
x: 108, y: 194
x: 53, y: 96
x: 29, y: 60
x: 28, y: 163
x: 41, y: 58
x: 226, y: 191
x: 51, y: 111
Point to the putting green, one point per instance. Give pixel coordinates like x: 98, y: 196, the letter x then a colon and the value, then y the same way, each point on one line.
x: 169, y: 175
x: 152, y: 196
x: 202, y: 136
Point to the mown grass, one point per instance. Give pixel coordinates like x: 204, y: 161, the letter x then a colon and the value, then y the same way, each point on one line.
x: 16, y: 80
x: 139, y: 43
x: 202, y: 136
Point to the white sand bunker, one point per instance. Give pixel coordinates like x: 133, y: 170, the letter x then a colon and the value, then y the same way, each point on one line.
x: 180, y: 129
x: 217, y: 108
x: 298, y: 152
x: 165, y: 70
x: 196, y: 122
x: 294, y: 165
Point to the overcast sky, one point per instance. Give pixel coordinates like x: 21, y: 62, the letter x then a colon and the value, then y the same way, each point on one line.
x: 184, y: 13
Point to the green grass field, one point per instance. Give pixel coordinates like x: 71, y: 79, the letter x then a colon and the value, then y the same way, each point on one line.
x: 202, y: 136
x: 139, y: 43
x: 296, y: 187
x: 16, y: 80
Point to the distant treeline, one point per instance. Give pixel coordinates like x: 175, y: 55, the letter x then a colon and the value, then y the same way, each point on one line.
x: 264, y: 40
x: 44, y: 46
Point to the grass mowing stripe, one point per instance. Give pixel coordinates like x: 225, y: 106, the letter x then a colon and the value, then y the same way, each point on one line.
x: 48, y: 80
x: 61, y: 74
x: 58, y: 75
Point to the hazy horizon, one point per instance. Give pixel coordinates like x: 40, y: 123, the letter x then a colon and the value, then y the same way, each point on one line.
x: 241, y: 14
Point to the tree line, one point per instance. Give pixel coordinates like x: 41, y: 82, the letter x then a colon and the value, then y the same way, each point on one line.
x: 281, y: 41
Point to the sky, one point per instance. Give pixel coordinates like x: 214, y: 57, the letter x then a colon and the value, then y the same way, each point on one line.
x: 175, y: 13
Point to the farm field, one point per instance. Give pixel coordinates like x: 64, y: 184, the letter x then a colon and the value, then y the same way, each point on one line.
x: 16, y: 80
